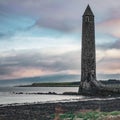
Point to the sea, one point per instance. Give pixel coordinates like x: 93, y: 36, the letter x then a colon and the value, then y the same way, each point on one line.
x: 8, y: 95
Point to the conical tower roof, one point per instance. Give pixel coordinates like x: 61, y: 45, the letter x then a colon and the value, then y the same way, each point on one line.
x: 88, y: 11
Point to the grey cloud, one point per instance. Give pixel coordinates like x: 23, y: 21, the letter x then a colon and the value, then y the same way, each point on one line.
x: 109, y: 64
x: 55, y: 63
x: 27, y: 60
x: 5, y: 71
x: 110, y: 45
x: 103, y: 46
x: 61, y: 25
x: 63, y: 15
x: 116, y: 44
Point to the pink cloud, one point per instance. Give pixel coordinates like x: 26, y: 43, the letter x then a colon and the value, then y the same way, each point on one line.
x: 110, y: 62
x: 111, y: 26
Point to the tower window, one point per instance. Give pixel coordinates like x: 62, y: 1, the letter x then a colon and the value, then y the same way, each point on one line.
x: 87, y: 19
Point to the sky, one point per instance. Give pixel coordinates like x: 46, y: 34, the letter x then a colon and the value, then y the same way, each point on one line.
x: 43, y: 37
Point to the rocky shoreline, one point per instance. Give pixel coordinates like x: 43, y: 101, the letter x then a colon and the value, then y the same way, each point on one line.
x: 46, y: 110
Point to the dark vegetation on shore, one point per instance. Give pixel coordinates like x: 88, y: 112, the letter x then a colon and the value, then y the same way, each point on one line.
x: 69, y: 84
x: 61, y: 84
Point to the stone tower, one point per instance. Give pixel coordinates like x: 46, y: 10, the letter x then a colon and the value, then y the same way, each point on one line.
x: 88, y: 57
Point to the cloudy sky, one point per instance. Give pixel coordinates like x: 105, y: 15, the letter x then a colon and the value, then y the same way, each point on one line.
x: 43, y: 37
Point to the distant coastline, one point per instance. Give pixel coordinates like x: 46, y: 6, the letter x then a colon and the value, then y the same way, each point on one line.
x: 68, y: 84
x: 61, y: 84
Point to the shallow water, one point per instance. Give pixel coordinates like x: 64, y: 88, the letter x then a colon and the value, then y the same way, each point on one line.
x: 7, y: 95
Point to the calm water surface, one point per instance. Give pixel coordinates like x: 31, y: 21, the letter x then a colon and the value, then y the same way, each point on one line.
x: 7, y: 95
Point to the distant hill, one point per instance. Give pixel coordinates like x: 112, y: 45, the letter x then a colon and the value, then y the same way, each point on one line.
x: 54, y: 84
x: 68, y: 84
x: 53, y: 78
x: 110, y: 81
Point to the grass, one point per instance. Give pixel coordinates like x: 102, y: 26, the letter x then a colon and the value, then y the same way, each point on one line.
x: 55, y: 84
x: 92, y: 115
